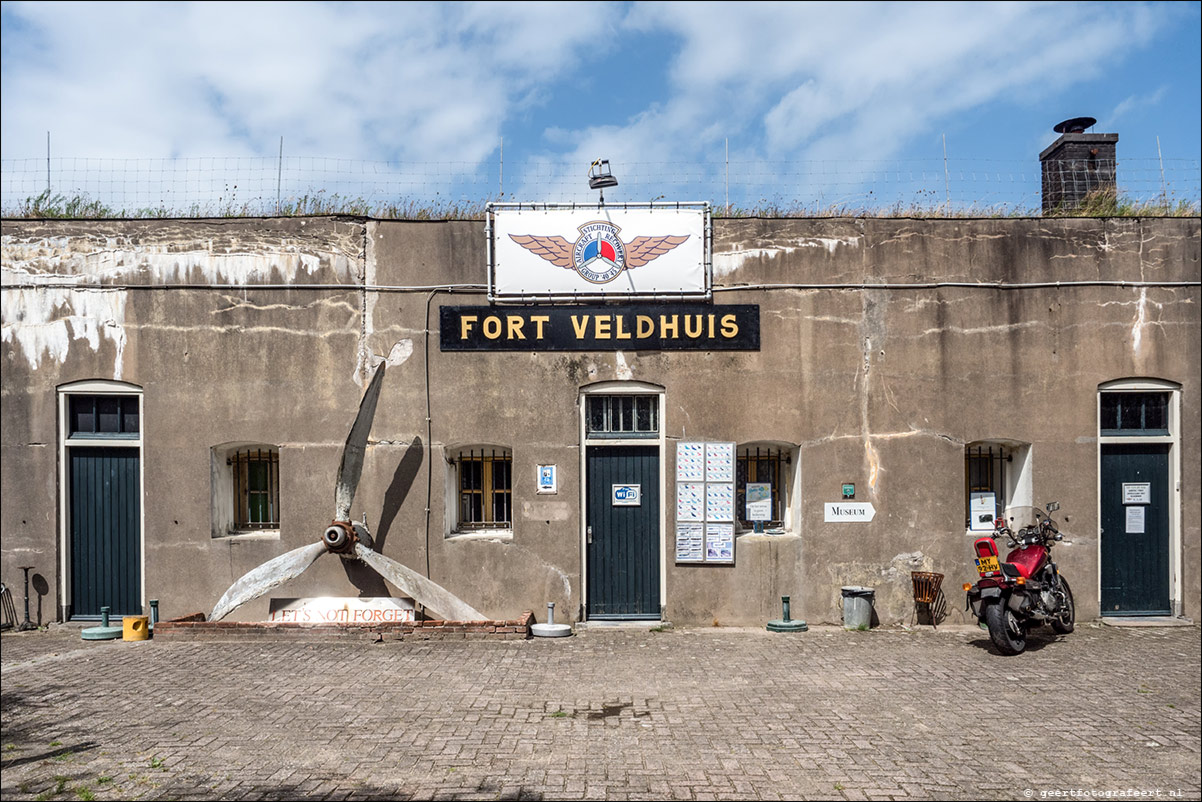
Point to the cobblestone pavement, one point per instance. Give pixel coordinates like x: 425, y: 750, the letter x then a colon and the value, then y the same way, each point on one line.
x: 608, y: 714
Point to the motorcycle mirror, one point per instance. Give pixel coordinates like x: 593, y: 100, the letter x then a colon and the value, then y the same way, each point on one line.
x: 1053, y: 506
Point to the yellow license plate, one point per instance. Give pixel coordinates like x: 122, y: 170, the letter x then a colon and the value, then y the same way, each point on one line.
x: 987, y: 565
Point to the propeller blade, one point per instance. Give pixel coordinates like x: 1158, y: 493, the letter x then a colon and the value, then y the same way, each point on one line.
x: 426, y: 593
x: 270, y: 574
x: 351, y: 467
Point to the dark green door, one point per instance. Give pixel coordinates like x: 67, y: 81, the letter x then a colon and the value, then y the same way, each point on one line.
x: 623, y: 526
x: 105, y: 524
x: 1135, y: 529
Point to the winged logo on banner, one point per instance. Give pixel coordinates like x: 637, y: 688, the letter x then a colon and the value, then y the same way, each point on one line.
x: 599, y: 255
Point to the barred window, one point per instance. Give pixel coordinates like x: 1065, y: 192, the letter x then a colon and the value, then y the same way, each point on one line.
x: 485, y: 487
x: 255, y: 474
x: 985, y: 476
x: 762, y: 464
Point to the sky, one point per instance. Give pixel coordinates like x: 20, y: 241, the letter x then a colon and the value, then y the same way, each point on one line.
x: 811, y: 103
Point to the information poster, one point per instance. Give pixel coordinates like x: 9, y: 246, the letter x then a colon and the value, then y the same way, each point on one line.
x: 719, y: 502
x: 1137, y: 492
x: 705, y: 502
x: 690, y: 546
x: 719, y: 462
x: 1135, y: 520
x: 690, y: 462
x: 690, y: 501
x: 759, y: 501
x: 720, y: 543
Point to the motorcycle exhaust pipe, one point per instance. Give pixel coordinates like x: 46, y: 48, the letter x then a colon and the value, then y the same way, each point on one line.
x: 1019, y: 603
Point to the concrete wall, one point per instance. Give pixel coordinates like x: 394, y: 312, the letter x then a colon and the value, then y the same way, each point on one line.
x: 266, y: 330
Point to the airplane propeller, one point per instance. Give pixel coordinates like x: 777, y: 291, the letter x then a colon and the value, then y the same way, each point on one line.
x: 349, y: 539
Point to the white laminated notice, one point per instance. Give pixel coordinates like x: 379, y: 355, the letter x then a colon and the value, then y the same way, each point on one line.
x: 1136, y: 520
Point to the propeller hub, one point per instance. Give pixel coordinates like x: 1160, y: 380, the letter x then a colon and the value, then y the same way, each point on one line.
x: 339, y: 537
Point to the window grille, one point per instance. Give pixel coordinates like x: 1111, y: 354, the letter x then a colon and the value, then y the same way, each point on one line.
x: 761, y: 465
x: 1135, y: 414
x: 985, y: 472
x: 485, y: 489
x: 623, y: 415
x: 256, y: 476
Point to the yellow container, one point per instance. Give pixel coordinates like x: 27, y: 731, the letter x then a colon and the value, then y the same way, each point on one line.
x: 135, y: 627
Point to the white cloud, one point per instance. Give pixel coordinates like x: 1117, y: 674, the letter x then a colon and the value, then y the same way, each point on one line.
x: 1134, y: 103
x: 796, y: 69
x: 440, y: 83
x: 370, y: 81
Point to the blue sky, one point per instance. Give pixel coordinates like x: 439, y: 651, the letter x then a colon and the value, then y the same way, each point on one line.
x: 813, y: 101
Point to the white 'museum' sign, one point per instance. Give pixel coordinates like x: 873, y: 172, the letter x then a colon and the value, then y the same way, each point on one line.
x: 849, y: 512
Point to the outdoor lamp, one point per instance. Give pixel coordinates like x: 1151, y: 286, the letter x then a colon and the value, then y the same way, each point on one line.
x: 599, y: 177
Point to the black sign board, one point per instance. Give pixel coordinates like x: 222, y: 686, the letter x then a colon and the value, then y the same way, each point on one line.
x: 655, y: 327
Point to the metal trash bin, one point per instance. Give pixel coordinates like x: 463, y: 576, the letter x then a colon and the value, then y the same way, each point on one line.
x: 857, y: 607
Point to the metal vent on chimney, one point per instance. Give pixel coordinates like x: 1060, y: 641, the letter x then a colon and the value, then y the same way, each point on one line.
x: 1076, y: 125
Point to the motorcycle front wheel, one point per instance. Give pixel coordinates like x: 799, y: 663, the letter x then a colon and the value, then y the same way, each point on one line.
x: 1004, y: 629
x: 1065, y: 620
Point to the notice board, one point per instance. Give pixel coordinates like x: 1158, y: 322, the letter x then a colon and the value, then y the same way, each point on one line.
x: 705, y: 502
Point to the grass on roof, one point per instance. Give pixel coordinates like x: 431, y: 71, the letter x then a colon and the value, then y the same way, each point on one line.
x: 50, y: 206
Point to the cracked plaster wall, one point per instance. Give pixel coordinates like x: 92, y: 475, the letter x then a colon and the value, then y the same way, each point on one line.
x: 880, y: 387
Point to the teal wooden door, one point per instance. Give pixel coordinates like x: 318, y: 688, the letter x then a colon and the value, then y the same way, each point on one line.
x: 623, y: 541
x: 1135, y: 529
x: 106, y: 515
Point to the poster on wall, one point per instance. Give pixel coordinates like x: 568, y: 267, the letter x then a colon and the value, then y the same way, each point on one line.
x: 719, y: 502
x: 719, y: 462
x: 705, y: 502
x: 690, y: 542
x: 720, y: 543
x: 690, y: 501
x: 690, y: 462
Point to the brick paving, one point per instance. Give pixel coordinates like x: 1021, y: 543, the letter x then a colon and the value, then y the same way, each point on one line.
x: 608, y: 714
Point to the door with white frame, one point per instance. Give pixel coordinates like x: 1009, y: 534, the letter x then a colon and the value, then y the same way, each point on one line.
x: 100, y: 473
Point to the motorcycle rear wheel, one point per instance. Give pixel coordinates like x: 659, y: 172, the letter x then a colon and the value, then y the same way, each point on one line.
x: 1004, y: 629
x: 1065, y: 621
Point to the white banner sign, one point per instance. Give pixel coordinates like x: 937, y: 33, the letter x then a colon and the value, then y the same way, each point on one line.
x: 609, y: 251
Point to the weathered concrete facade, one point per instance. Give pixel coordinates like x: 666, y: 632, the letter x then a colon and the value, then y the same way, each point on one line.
x: 888, y: 346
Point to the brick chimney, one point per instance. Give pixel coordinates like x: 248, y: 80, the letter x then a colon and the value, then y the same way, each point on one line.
x: 1077, y: 164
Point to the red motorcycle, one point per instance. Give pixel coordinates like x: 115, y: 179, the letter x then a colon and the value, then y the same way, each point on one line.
x: 1026, y: 590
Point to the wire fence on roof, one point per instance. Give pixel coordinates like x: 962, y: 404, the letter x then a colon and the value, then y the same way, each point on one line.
x: 204, y: 187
